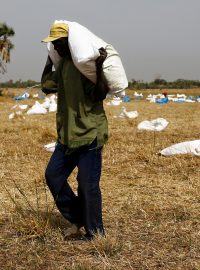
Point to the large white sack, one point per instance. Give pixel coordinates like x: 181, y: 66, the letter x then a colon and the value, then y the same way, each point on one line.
x: 154, y: 125
x: 192, y: 147
x: 84, y: 47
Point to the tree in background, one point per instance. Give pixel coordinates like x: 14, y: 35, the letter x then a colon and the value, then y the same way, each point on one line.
x: 5, y: 45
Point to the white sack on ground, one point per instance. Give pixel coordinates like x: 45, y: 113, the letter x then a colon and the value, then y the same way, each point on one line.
x: 190, y: 147
x: 21, y: 107
x: 84, y: 47
x: 50, y: 147
x: 189, y: 100
x: 154, y: 125
x: 46, y: 103
x: 19, y: 110
x: 138, y: 95
x: 116, y: 101
x: 37, y: 108
x: 50, y: 103
x: 11, y: 115
x: 53, y: 107
x: 16, y: 114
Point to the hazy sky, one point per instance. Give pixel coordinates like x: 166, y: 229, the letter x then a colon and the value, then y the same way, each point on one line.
x: 153, y: 37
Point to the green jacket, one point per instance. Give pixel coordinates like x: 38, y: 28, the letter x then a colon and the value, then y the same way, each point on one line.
x: 79, y: 118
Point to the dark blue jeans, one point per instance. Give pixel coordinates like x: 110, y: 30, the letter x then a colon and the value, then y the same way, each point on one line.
x: 85, y: 208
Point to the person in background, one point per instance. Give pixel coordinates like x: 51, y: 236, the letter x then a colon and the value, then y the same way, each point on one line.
x: 163, y: 100
x: 82, y: 131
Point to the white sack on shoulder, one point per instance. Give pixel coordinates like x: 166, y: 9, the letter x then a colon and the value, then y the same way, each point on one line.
x: 154, y: 125
x: 84, y: 47
x: 190, y: 147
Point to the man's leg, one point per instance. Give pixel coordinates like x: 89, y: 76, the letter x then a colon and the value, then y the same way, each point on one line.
x: 89, y: 173
x: 58, y: 170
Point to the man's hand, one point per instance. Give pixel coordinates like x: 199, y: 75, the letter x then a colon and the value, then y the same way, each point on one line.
x: 101, y: 58
x: 101, y: 88
x: 48, y: 84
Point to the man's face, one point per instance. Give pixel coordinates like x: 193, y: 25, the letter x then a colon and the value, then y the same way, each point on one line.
x: 61, y: 46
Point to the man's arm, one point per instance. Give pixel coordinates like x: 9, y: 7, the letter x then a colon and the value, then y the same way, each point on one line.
x: 48, y: 85
x: 101, y: 87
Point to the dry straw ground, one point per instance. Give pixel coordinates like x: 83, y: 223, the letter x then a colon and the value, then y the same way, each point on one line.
x: 151, y: 204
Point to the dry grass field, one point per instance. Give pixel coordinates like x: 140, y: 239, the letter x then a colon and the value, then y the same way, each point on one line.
x: 151, y: 204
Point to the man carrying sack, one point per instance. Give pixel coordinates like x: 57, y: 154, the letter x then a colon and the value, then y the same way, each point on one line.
x: 82, y: 130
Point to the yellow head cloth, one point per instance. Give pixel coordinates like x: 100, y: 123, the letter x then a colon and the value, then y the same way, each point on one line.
x: 57, y: 30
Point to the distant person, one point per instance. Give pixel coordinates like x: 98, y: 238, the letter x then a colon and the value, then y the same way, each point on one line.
x: 165, y: 94
x: 164, y: 99
x: 82, y: 131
